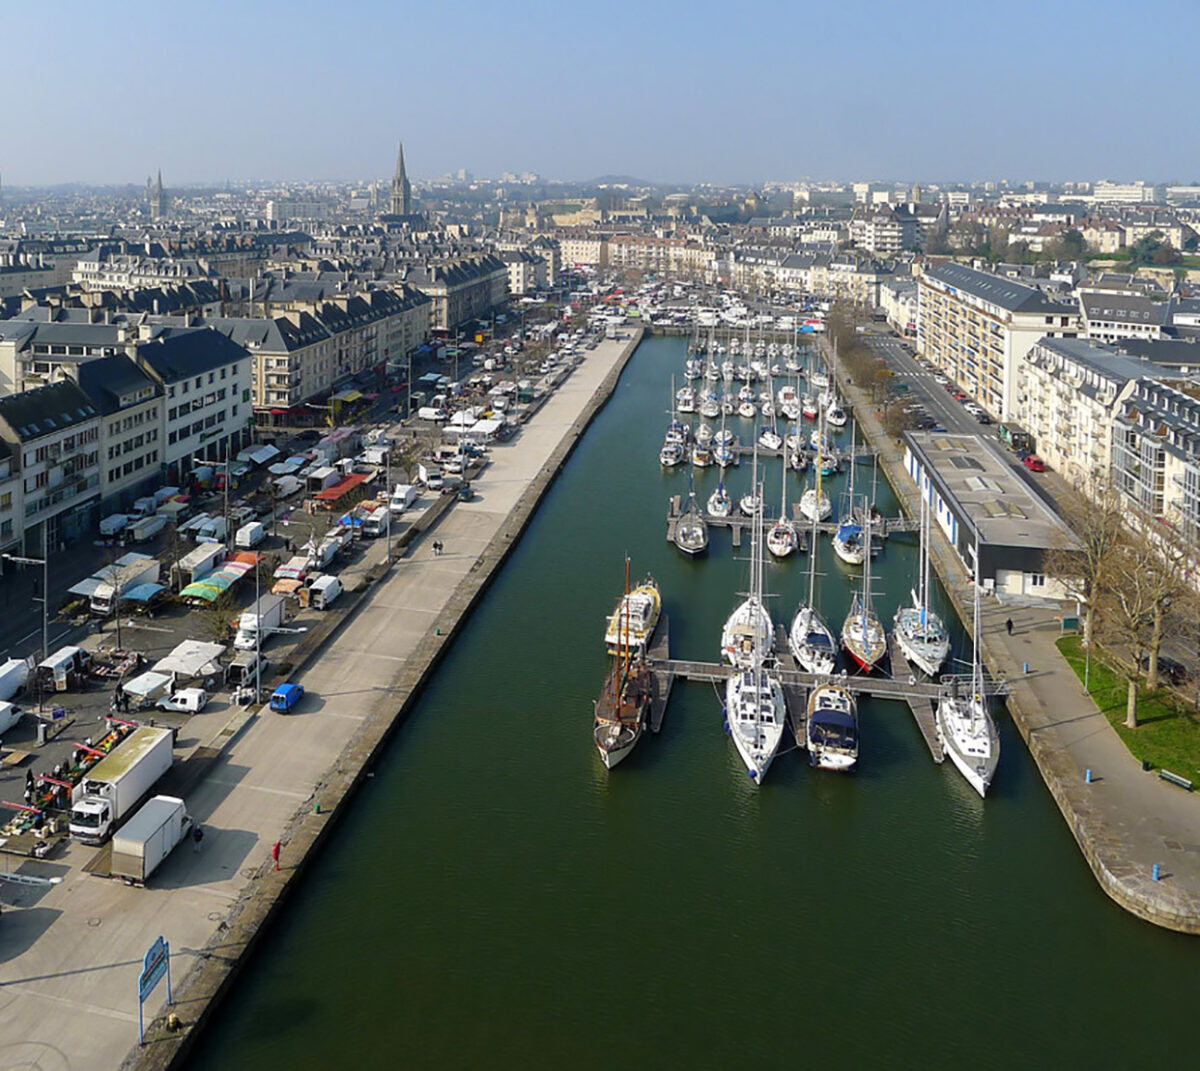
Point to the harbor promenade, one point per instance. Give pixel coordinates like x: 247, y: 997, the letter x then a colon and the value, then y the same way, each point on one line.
x: 71, y: 954
x: 1127, y: 819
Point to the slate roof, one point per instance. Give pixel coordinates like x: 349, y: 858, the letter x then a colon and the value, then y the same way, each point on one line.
x: 1008, y: 294
x: 105, y: 379
x: 46, y: 410
x: 1122, y: 308
x: 180, y: 353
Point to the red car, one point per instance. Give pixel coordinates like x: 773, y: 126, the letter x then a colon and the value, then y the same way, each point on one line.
x: 959, y: 396
x: 1034, y: 463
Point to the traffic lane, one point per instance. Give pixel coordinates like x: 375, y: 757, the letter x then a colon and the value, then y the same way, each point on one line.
x: 938, y: 401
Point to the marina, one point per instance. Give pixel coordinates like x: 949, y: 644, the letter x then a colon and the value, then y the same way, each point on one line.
x: 504, y: 864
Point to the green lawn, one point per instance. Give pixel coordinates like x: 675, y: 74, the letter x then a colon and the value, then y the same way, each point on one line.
x: 1167, y: 736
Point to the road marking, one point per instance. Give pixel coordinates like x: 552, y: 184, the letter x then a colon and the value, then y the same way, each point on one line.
x: 111, y: 1013
x: 257, y: 788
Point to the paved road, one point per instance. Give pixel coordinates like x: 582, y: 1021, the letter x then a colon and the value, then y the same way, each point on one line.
x: 69, y: 956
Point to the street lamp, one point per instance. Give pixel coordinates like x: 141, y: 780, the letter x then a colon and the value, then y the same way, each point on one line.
x: 44, y: 562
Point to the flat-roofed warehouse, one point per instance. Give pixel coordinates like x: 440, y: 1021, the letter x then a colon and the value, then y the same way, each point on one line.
x: 972, y: 488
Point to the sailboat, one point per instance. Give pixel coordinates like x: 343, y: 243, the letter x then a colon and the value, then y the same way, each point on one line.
x: 748, y: 633
x: 814, y: 503
x: 809, y: 638
x: 620, y: 712
x: 782, y: 539
x: 920, y: 632
x: 719, y: 502
x: 848, y: 542
x: 862, y: 633
x: 831, y: 729
x: 964, y: 723
x: 751, y: 501
x: 754, y: 706
x: 691, y: 533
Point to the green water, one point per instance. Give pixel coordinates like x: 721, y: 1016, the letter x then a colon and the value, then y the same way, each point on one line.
x: 497, y: 900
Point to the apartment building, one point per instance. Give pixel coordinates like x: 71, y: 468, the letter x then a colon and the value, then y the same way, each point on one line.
x: 130, y: 404
x: 460, y: 289
x: 1069, y: 393
x: 53, y: 434
x: 206, y: 379
x: 976, y: 327
x: 1109, y: 316
x: 12, y: 501
x: 1156, y: 455
x: 669, y: 256
x: 898, y: 300
x: 584, y: 250
x: 526, y: 272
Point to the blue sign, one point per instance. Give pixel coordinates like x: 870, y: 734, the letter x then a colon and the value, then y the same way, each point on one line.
x: 155, y: 964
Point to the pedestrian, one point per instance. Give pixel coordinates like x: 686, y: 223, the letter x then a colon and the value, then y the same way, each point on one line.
x: 1009, y: 625
x: 275, y: 855
x: 197, y: 837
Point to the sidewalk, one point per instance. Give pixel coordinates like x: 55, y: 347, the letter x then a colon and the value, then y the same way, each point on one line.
x: 69, y: 960
x: 1127, y: 819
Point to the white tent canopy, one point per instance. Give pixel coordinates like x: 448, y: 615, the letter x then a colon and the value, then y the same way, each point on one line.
x: 191, y: 659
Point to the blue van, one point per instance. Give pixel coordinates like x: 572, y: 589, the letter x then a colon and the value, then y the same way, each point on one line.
x: 286, y: 696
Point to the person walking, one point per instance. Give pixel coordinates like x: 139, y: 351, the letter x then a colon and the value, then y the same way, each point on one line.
x: 275, y: 854
x: 197, y: 837
x: 1009, y: 626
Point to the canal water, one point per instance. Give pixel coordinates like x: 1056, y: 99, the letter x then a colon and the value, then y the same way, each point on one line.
x: 497, y: 900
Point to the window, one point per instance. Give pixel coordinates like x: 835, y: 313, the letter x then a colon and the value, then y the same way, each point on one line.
x: 1037, y: 580
x: 171, y: 438
x: 6, y: 500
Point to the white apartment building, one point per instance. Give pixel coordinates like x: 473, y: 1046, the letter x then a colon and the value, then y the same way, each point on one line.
x: 1070, y: 391
x: 12, y: 500
x: 206, y: 379
x: 1128, y: 193
x: 976, y: 327
x: 1109, y: 316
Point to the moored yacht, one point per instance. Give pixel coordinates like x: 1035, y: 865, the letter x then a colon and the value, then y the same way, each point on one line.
x: 719, y: 502
x: 633, y: 621
x: 921, y: 634
x: 619, y: 715
x: 691, y: 533
x: 831, y: 728
x: 755, y: 714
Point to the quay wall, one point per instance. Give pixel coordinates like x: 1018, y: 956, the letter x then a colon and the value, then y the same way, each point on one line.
x: 199, y: 995
x: 1101, y: 845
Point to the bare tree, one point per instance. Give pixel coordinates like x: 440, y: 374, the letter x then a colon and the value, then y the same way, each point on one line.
x: 1129, y: 615
x: 1167, y: 588
x: 1086, y: 569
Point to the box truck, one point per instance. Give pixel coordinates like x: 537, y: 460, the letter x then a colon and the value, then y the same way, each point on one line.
x: 249, y: 535
x: 115, y: 787
x: 195, y: 564
x: 126, y: 572
x: 144, y: 529
x: 255, y: 625
x: 376, y: 523
x: 13, y: 675
x: 10, y: 714
x: 141, y: 845
x: 213, y: 530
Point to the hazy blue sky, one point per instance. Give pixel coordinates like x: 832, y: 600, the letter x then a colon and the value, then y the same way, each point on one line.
x: 670, y: 91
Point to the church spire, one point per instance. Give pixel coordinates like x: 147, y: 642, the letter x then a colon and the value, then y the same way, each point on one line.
x: 401, y: 199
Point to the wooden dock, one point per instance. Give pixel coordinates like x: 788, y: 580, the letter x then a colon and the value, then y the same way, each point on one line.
x: 658, y: 652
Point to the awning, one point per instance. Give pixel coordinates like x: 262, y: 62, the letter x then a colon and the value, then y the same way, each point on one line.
x: 143, y: 592
x: 259, y: 455
x: 350, y: 395
x: 149, y: 685
x: 192, y: 658
x: 85, y: 588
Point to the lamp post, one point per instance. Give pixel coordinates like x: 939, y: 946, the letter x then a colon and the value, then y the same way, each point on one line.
x: 44, y: 562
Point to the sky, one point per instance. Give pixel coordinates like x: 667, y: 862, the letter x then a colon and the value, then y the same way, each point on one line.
x: 673, y: 91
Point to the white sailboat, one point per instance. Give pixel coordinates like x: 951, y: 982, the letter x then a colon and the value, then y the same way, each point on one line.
x: 920, y: 632
x: 691, y: 533
x: 719, y: 503
x: 848, y: 541
x: 782, y: 539
x: 964, y: 722
x: 754, y: 706
x: 809, y: 638
x: 814, y: 503
x: 748, y: 634
x: 863, y: 635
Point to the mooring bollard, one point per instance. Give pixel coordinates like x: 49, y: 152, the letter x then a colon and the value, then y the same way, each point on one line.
x: 1025, y: 668
x: 1087, y: 776
x: 1156, y: 872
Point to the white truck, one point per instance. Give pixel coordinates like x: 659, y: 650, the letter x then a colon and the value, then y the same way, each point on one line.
x: 323, y: 591
x: 14, y: 674
x: 376, y: 523
x: 249, y: 535
x: 140, y: 846
x: 197, y: 563
x: 403, y: 496
x: 115, y: 787
x: 430, y: 476
x: 255, y: 625
x: 213, y: 530
x: 126, y: 572
x: 145, y: 528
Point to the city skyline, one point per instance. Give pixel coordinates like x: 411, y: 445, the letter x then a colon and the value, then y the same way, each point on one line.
x: 803, y: 91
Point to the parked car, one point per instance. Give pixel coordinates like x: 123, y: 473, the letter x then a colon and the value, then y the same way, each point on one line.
x: 959, y: 396
x: 983, y: 418
x: 1033, y: 463
x: 1175, y: 672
